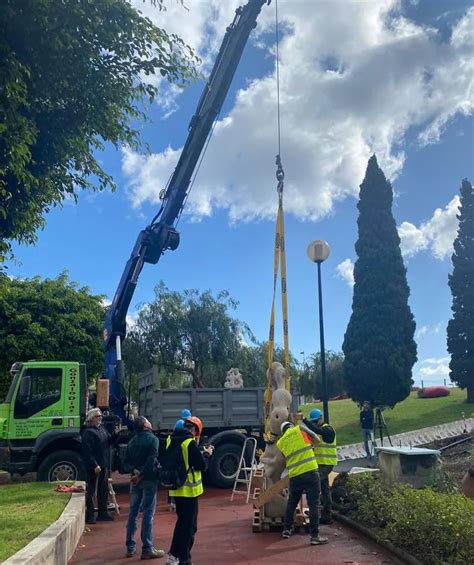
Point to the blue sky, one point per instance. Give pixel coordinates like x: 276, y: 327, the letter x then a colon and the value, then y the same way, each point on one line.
x: 389, y: 77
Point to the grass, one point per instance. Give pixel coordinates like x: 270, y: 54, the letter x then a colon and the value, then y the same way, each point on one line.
x: 412, y: 414
x: 26, y: 509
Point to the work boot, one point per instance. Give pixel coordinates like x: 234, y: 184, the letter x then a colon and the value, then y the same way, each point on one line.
x: 153, y: 553
x: 285, y: 534
x: 105, y: 517
x: 90, y: 519
x: 318, y: 540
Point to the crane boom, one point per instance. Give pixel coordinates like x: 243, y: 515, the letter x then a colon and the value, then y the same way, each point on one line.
x: 161, y: 234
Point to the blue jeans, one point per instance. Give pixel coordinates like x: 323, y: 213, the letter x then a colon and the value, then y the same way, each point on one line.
x: 142, y: 497
x: 367, y: 435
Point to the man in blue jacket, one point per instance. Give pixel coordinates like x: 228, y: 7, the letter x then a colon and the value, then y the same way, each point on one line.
x: 141, y: 452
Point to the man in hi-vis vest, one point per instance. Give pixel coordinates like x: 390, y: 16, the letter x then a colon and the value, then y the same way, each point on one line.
x: 186, y: 497
x: 326, y: 456
x: 295, y: 444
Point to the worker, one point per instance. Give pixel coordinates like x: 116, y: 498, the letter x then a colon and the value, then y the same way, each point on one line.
x: 95, y: 453
x: 186, y: 497
x: 140, y: 456
x: 296, y: 445
x: 179, y: 424
x: 326, y: 456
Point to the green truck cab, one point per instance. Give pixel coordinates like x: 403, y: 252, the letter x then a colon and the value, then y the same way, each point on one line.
x: 40, y: 420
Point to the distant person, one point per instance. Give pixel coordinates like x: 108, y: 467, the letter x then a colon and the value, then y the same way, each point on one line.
x: 95, y: 452
x: 140, y: 456
x: 366, y: 418
x: 186, y: 497
x: 326, y: 456
x: 296, y: 445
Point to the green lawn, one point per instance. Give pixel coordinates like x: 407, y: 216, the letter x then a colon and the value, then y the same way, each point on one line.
x: 412, y: 414
x: 26, y: 509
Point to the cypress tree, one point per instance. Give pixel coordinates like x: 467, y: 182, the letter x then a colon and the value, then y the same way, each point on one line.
x: 378, y: 346
x: 461, y: 326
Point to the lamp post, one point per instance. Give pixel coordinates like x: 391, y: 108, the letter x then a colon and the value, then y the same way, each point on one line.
x: 318, y: 251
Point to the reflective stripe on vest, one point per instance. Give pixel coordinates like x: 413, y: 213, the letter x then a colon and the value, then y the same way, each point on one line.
x: 326, y: 453
x: 193, y: 485
x: 298, y: 451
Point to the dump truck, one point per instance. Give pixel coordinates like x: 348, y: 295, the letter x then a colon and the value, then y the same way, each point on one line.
x: 40, y: 421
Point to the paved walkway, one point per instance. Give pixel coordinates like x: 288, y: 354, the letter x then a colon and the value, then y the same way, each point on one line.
x: 225, y: 537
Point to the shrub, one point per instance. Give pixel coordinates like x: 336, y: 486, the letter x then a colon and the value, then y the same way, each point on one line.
x: 368, y: 499
x: 435, y: 527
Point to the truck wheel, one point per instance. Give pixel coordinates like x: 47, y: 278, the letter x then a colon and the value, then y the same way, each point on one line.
x: 61, y: 466
x: 223, y: 465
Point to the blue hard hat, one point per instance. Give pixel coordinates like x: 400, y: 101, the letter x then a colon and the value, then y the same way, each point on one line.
x: 185, y: 413
x: 315, y: 414
x: 179, y: 424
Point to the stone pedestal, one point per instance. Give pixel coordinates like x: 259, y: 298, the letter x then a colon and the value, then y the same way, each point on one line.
x: 412, y: 465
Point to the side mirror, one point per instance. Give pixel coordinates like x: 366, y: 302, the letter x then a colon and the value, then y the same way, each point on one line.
x: 25, y: 385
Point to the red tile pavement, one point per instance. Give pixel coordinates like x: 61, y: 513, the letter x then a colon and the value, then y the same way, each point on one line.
x: 225, y: 536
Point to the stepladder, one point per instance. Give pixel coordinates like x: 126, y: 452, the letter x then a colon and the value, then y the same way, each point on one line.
x: 112, y: 503
x: 246, y: 468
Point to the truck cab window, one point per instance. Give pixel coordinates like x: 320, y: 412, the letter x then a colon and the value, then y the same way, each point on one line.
x: 38, y: 389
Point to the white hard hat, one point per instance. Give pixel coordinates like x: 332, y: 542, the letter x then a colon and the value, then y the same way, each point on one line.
x: 285, y: 425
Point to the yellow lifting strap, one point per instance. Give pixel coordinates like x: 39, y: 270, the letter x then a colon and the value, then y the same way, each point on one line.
x: 279, y: 263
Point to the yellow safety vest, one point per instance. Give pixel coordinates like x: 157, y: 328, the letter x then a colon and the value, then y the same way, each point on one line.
x: 298, y: 451
x: 326, y: 453
x: 193, y: 485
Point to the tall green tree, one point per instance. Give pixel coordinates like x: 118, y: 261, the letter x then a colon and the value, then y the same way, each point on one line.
x: 191, y: 333
x: 51, y: 319
x: 460, y: 336
x: 309, y: 375
x: 379, y: 349
x: 73, y: 78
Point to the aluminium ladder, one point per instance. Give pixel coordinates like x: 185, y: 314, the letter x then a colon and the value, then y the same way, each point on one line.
x: 247, y: 470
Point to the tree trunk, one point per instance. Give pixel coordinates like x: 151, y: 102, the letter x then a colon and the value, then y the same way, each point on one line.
x: 470, y: 394
x: 197, y: 382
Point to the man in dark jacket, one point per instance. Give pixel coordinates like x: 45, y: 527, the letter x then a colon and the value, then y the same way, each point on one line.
x: 141, y: 453
x: 366, y: 418
x: 95, y: 452
x: 186, y: 497
x: 326, y: 456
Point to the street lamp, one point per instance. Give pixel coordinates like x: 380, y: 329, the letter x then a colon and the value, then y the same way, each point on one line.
x: 318, y: 251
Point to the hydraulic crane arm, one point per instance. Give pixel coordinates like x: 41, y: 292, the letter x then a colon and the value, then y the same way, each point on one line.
x: 161, y: 234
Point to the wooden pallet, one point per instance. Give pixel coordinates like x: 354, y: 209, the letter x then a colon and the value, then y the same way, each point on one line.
x: 262, y: 523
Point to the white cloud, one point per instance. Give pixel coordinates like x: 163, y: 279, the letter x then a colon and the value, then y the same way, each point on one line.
x: 427, y: 330
x: 345, y: 271
x: 354, y: 77
x: 434, y: 367
x: 436, y: 235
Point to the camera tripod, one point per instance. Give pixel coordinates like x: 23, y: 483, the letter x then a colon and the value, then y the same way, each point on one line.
x: 381, y: 426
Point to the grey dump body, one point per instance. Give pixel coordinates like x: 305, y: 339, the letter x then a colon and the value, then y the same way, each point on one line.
x: 218, y: 408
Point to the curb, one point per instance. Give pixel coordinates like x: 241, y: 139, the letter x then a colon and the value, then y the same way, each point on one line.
x: 415, y: 437
x: 400, y: 553
x: 58, y: 542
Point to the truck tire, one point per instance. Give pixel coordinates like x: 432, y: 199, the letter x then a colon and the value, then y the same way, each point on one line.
x: 223, y: 465
x: 62, y: 466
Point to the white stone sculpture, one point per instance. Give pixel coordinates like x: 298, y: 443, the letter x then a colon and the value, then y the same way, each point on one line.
x: 272, y: 459
x: 234, y: 379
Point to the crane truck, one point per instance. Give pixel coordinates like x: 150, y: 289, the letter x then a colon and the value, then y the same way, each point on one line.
x: 41, y: 417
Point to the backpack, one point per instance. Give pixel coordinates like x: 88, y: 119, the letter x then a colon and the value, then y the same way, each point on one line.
x: 170, y: 469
